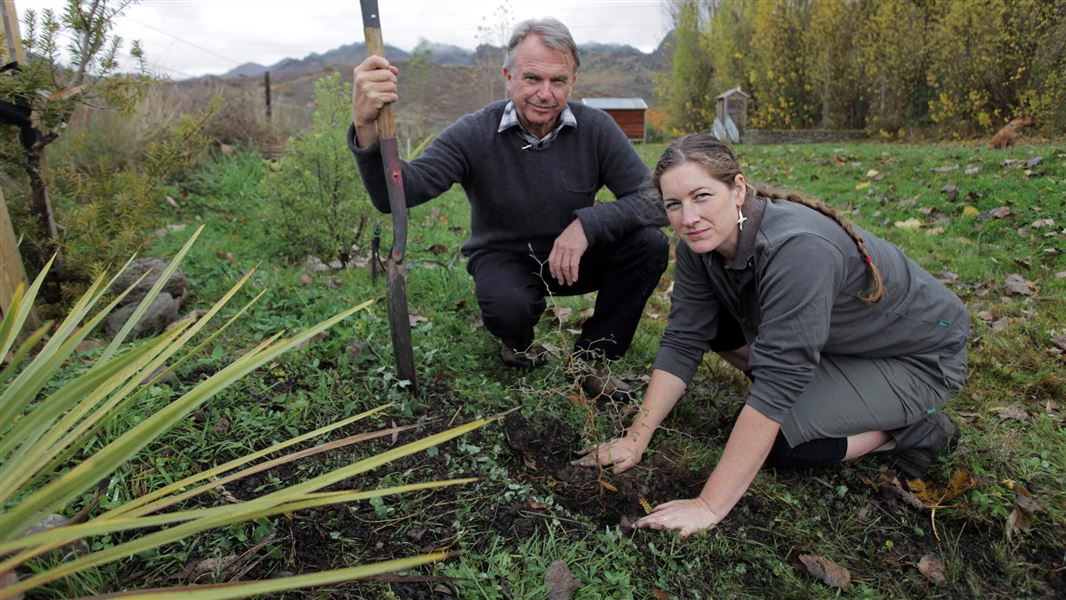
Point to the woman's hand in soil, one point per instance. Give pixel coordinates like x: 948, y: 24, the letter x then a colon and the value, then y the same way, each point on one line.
x: 622, y: 452
x: 684, y: 516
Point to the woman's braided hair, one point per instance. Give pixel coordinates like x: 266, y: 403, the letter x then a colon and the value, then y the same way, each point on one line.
x: 720, y: 162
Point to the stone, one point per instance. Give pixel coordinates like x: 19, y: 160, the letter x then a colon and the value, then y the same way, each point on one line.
x: 160, y: 313
x: 177, y: 285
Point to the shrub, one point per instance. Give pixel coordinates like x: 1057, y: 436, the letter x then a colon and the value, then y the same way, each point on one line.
x: 318, y: 204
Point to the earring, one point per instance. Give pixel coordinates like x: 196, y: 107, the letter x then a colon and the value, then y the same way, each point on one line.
x: 740, y: 219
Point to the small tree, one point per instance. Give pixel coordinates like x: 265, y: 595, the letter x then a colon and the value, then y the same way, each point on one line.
x: 43, y: 93
x: 319, y: 205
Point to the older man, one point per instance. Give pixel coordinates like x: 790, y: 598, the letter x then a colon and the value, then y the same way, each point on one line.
x: 531, y: 167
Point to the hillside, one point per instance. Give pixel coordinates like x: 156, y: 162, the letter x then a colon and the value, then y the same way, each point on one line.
x: 461, y: 81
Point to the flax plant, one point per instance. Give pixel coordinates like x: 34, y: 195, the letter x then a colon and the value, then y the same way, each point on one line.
x: 40, y: 432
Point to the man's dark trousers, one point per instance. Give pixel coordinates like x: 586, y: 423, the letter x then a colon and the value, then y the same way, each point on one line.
x: 511, y: 288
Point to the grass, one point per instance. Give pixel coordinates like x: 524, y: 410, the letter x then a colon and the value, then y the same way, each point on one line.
x: 522, y: 515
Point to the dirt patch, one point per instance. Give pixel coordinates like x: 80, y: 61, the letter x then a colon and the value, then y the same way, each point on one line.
x: 542, y: 455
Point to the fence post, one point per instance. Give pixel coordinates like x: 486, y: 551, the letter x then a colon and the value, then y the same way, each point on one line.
x: 266, y: 85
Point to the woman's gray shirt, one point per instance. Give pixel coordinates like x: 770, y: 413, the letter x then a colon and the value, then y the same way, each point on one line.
x: 795, y: 287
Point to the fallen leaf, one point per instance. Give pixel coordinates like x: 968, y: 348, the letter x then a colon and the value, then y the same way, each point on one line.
x: 828, y: 571
x: 934, y: 231
x: 949, y: 277
x: 226, y: 256
x: 305, y: 279
x: 417, y: 319
x: 172, y: 203
x: 933, y: 495
x: 586, y: 314
x: 608, y: 486
x: 1017, y: 284
x: 538, y: 505
x: 911, y: 223
x: 1021, y: 518
x: 862, y: 186
x: 438, y: 249
x: 561, y: 582
x: 973, y: 169
x: 1021, y: 262
x: 1060, y: 342
x: 659, y: 594
x: 1042, y: 223
x: 945, y: 169
x: 333, y: 283
x: 475, y: 321
x: 1001, y: 212
x: 645, y: 505
x: 1000, y: 324
x: 951, y: 190
x: 985, y: 316
x: 933, y: 569
x: 1011, y: 411
x: 970, y: 211
x: 1034, y: 162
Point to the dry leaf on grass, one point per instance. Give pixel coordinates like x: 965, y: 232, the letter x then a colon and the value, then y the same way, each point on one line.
x: 1021, y: 518
x: 946, y: 169
x: 1011, y: 411
x: 933, y: 495
x: 1017, y: 284
x: 1041, y: 223
x: 438, y: 249
x: 305, y: 279
x: 970, y: 211
x: 417, y: 319
x: 828, y: 571
x: 933, y: 569
x: 911, y: 223
x: 1001, y: 212
x: 561, y: 582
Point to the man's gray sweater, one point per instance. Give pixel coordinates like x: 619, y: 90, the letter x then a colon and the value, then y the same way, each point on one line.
x: 519, y: 195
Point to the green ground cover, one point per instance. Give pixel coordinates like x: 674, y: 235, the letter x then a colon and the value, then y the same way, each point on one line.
x: 993, y: 514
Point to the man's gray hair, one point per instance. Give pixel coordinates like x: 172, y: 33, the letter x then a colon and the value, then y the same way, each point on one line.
x: 555, y: 35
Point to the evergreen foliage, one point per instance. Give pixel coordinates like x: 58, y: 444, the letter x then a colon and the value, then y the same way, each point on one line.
x: 319, y: 206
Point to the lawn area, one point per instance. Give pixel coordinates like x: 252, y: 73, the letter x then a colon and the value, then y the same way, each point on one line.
x: 989, y: 522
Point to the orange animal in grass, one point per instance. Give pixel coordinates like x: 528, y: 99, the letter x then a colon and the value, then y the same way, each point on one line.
x: 1010, y: 132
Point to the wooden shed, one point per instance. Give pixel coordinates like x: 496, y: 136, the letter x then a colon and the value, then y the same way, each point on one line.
x: 630, y: 114
x: 732, y: 114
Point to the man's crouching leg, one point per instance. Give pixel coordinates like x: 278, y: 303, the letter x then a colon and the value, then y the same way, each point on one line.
x: 511, y: 298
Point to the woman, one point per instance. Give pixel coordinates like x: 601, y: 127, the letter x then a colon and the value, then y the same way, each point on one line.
x: 851, y: 347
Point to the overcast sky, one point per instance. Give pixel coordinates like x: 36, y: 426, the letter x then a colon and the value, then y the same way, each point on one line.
x: 184, y: 38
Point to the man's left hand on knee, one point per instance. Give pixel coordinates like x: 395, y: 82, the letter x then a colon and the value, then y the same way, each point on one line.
x: 565, y: 258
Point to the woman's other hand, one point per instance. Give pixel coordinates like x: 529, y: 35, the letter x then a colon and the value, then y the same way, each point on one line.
x: 621, y: 452
x: 684, y: 516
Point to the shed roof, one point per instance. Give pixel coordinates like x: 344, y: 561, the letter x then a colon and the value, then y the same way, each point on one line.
x: 616, y: 103
x: 732, y: 91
